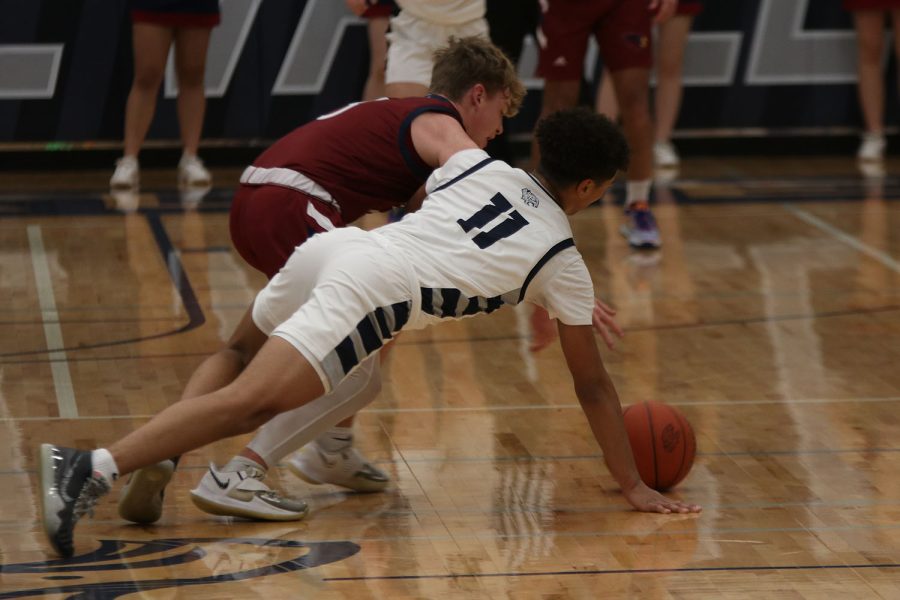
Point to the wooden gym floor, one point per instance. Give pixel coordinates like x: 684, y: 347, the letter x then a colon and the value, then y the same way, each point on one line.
x: 771, y: 318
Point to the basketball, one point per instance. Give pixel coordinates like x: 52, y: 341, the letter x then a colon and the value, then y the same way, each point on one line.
x: 663, y: 443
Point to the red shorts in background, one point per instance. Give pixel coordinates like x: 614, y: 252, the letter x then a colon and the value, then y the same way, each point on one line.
x: 380, y: 8
x: 689, y: 8
x: 621, y: 28
x: 268, y: 221
x: 176, y: 13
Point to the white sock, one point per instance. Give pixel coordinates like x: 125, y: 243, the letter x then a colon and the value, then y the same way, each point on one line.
x: 637, y: 191
x: 293, y: 429
x: 242, y: 463
x: 103, y: 463
x: 336, y: 439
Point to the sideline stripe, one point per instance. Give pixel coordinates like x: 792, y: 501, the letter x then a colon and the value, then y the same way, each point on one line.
x: 59, y: 366
x: 504, y: 408
x: 851, y: 241
x: 615, y: 572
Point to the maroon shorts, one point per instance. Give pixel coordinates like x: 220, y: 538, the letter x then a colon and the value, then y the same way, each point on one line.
x: 689, y: 8
x: 176, y: 13
x: 268, y: 221
x: 872, y: 4
x: 621, y: 28
x: 381, y: 8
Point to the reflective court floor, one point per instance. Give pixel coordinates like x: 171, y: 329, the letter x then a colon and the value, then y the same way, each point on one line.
x: 771, y: 318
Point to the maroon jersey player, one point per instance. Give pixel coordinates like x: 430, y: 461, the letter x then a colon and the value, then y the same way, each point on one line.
x: 330, y: 172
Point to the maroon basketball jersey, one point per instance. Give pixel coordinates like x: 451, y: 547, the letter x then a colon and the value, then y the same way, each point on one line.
x: 361, y: 154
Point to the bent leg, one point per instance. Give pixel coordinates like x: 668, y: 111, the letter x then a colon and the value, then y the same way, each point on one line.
x: 293, y: 429
x: 277, y: 379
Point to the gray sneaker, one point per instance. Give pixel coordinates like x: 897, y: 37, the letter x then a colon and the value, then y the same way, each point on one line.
x: 69, y: 490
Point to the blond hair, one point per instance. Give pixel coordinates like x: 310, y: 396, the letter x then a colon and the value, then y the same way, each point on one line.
x: 464, y: 62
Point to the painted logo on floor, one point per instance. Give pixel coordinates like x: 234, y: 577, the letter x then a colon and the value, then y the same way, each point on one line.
x: 166, y: 563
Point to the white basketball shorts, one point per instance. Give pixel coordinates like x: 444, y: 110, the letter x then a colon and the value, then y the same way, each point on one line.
x: 412, y: 42
x: 340, y: 296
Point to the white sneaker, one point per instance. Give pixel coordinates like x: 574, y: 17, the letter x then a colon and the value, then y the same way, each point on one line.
x: 243, y: 494
x: 142, y: 497
x: 872, y: 147
x: 127, y: 174
x: 346, y: 468
x: 127, y: 201
x: 665, y: 155
x: 192, y: 172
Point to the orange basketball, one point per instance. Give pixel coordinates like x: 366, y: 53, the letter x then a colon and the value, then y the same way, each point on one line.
x: 663, y: 443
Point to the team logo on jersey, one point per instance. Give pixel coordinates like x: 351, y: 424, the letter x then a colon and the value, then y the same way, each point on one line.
x: 529, y: 198
x: 121, y: 567
x: 637, y: 40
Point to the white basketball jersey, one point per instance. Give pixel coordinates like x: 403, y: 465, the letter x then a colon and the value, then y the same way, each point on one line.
x: 489, y: 235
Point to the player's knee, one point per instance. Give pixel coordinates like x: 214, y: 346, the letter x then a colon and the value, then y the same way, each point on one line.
x: 148, y: 78
x: 249, y: 412
x: 669, y: 68
x: 190, y: 77
x: 870, y: 49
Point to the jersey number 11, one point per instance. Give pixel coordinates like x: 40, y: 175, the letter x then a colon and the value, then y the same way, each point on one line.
x: 487, y: 213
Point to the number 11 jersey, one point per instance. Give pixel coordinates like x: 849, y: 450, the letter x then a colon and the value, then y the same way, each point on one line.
x: 490, y: 235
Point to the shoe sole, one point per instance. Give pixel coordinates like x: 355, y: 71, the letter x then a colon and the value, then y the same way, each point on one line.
x: 145, y: 483
x: 228, y: 510
x: 625, y: 231
x: 49, y: 513
x: 375, y: 486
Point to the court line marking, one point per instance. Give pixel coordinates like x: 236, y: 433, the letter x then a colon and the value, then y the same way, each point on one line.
x: 527, y: 407
x: 494, y: 535
x: 180, y: 281
x: 615, y: 572
x: 59, y: 365
x: 851, y: 241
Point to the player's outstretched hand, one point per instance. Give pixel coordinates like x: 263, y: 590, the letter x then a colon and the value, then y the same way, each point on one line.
x: 605, y: 323
x: 644, y: 499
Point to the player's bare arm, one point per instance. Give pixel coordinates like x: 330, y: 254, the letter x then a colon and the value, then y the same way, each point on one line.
x: 600, y: 404
x: 415, y: 202
x: 437, y: 137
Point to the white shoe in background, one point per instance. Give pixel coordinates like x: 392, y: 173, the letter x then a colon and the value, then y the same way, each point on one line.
x: 126, y: 175
x: 192, y: 172
x: 872, y: 147
x: 665, y: 155
x: 346, y: 468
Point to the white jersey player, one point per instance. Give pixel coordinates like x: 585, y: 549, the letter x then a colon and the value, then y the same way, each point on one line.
x: 488, y: 236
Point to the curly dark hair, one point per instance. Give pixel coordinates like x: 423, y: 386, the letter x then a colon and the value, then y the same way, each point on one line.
x: 578, y: 144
